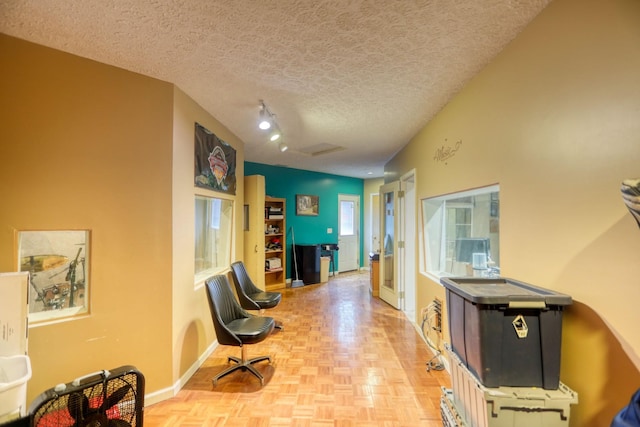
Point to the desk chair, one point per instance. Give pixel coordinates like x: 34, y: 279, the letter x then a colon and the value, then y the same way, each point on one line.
x: 250, y: 296
x: 234, y: 326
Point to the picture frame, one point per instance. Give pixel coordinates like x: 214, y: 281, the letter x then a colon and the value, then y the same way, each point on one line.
x: 307, y: 205
x: 215, y: 162
x: 58, y: 264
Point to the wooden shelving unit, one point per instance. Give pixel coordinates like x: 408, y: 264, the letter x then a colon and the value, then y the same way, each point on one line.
x: 275, y: 243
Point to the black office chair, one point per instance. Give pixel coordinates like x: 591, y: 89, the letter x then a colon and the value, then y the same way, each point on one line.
x: 250, y: 296
x: 234, y: 326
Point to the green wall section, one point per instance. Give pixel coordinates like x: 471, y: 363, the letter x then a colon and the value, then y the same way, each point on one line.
x: 287, y: 182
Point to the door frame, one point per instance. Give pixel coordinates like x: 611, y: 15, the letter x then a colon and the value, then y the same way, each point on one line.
x: 408, y: 236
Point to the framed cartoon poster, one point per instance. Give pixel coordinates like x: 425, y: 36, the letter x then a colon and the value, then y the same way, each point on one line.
x: 215, y: 162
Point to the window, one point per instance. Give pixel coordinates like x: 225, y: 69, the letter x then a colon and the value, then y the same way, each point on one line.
x: 461, y: 234
x: 213, y: 222
x: 347, y: 218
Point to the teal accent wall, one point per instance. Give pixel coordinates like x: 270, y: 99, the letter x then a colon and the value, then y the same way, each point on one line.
x: 287, y: 182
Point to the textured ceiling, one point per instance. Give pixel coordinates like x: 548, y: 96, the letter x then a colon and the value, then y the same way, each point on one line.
x: 363, y: 75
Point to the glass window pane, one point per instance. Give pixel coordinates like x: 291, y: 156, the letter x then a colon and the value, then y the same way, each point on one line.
x: 389, y: 223
x: 458, y: 226
x: 213, y: 221
x: 347, y: 218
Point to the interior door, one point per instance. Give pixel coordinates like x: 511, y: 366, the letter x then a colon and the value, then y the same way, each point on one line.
x: 349, y: 232
x: 254, y: 195
x: 389, y: 283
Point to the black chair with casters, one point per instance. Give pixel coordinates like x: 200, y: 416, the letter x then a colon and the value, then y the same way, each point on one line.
x: 250, y: 296
x: 235, y: 326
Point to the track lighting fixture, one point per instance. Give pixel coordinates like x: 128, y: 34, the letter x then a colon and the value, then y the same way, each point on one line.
x: 264, y: 124
x: 275, y: 134
x: 266, y: 118
x: 268, y: 122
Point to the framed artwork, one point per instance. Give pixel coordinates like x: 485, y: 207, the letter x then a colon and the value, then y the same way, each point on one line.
x: 58, y: 263
x: 307, y: 205
x: 215, y: 162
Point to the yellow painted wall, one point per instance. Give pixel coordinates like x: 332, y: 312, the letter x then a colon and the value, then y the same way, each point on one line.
x: 555, y: 120
x: 88, y: 146
x: 192, y: 327
x: 84, y: 145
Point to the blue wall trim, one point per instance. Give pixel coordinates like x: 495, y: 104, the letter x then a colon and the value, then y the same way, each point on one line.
x: 287, y: 182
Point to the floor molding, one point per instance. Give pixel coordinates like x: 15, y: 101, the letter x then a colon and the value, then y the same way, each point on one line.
x: 169, y: 392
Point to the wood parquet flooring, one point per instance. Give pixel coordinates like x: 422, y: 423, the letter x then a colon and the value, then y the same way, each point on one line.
x: 343, y: 359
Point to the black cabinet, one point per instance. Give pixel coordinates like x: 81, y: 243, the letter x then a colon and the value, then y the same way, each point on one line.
x: 308, y: 259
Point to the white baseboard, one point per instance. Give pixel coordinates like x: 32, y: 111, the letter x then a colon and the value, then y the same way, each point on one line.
x: 169, y: 392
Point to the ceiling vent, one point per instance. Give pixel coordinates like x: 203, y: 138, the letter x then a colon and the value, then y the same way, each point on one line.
x: 320, y: 149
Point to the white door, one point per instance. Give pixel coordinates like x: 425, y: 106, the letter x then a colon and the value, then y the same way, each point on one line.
x: 349, y: 232
x: 407, y: 246
x: 389, y: 284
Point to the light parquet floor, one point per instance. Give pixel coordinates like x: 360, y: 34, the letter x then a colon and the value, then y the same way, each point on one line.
x: 343, y: 359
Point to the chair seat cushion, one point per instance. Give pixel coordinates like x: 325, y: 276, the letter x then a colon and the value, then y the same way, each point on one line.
x: 266, y: 299
x: 251, y: 330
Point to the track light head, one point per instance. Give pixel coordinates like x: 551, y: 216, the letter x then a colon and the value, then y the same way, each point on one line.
x: 275, y: 135
x: 264, y: 124
x: 268, y: 121
x: 265, y: 117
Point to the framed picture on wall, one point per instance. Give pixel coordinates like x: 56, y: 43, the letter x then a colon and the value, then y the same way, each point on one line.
x: 215, y: 162
x: 307, y: 205
x: 58, y: 262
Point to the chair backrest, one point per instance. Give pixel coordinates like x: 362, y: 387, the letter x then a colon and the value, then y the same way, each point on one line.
x: 224, y: 309
x: 244, y: 286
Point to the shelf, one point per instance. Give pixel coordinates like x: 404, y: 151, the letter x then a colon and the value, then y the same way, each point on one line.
x: 277, y: 286
x: 275, y: 278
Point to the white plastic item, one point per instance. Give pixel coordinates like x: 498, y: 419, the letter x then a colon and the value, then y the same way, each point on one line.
x: 14, y: 312
x: 448, y: 411
x: 15, y: 371
x: 324, y: 269
x: 15, y: 366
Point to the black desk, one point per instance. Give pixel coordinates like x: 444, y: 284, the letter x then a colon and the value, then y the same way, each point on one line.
x: 308, y: 259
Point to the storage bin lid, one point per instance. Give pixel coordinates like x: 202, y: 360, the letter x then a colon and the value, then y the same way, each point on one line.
x: 497, y: 291
x: 14, y: 312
